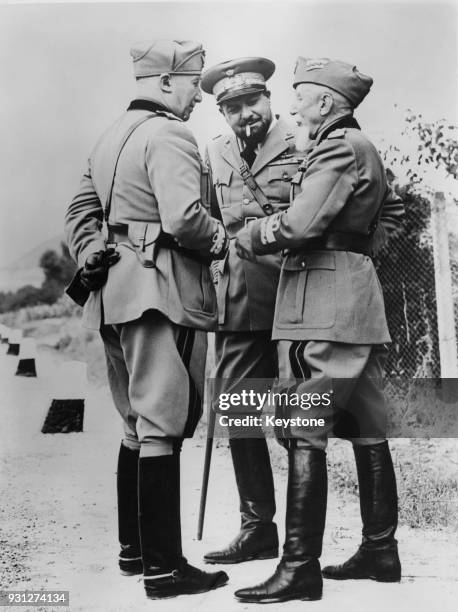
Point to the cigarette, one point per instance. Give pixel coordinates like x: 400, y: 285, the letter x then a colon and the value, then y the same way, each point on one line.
x: 247, y: 131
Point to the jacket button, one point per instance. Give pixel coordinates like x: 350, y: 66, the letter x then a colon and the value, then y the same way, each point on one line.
x: 285, y: 176
x: 246, y: 200
x: 303, y: 264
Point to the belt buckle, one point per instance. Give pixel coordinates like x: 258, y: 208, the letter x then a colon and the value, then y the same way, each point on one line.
x: 249, y: 220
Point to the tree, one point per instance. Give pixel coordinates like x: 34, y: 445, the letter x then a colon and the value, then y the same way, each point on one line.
x: 58, y: 271
x: 57, y: 268
x: 426, y: 155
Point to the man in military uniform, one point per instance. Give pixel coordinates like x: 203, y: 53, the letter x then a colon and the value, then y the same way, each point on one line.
x: 153, y: 302
x: 251, y: 170
x: 330, y: 313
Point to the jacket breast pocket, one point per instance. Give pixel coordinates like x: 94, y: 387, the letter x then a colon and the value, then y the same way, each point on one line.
x: 223, y: 186
x: 279, y: 181
x: 307, y: 291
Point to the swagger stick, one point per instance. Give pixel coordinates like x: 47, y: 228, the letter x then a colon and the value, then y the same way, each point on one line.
x: 206, y: 474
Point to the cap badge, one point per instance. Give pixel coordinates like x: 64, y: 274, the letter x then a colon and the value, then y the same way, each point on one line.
x: 316, y: 64
x: 230, y: 72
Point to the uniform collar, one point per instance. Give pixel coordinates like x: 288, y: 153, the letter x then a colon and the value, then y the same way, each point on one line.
x: 148, y: 105
x: 347, y: 121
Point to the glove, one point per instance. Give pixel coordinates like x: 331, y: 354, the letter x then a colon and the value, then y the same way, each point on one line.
x: 95, y: 272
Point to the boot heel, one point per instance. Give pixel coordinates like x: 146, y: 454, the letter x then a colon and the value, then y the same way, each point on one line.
x: 130, y: 572
x: 387, y: 578
x: 314, y: 595
x: 131, y: 569
x: 268, y: 554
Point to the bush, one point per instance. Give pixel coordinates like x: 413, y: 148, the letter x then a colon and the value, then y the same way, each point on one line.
x: 64, y: 307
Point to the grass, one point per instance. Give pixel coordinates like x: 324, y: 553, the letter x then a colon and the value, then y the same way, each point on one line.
x: 427, y: 499
x: 426, y: 480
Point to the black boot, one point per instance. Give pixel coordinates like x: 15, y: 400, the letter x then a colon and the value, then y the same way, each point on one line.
x: 298, y: 575
x: 377, y: 557
x: 130, y: 556
x: 258, y: 537
x: 166, y: 573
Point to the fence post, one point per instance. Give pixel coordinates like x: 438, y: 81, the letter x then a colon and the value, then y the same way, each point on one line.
x: 444, y: 295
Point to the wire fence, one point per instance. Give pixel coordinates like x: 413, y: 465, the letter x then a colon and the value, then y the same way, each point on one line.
x: 418, y: 270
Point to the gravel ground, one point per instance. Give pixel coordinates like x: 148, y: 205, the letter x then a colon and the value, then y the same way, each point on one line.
x: 58, y: 517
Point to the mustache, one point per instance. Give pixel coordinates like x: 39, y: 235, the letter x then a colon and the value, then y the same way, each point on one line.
x: 250, y: 122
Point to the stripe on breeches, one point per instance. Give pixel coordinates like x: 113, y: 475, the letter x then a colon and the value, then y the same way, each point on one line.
x: 355, y: 372
x: 300, y: 371
x: 151, y: 387
x: 185, y: 344
x: 299, y: 367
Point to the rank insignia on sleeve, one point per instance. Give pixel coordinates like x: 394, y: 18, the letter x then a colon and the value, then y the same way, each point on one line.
x: 269, y: 225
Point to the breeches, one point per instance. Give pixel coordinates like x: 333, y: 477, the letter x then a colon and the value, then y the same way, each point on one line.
x: 156, y: 372
x: 244, y: 355
x: 358, y: 409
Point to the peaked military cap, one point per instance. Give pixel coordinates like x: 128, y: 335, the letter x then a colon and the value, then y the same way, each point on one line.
x: 339, y: 76
x: 156, y: 57
x: 237, y: 77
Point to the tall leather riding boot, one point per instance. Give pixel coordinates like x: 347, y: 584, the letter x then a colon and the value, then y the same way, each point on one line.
x: 130, y: 558
x: 166, y: 572
x: 298, y: 575
x: 258, y: 537
x: 377, y: 557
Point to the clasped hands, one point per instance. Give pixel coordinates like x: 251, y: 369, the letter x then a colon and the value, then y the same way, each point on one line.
x: 244, y: 244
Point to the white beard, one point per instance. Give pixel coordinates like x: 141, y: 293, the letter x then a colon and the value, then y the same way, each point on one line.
x: 303, y: 140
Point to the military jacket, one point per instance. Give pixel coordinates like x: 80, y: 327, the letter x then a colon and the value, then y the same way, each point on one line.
x: 161, y: 183
x: 329, y: 294
x: 246, y: 291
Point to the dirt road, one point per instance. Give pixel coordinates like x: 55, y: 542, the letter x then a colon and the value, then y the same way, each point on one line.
x: 58, y: 518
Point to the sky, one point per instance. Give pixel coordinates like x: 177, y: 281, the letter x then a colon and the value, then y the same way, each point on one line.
x: 66, y: 75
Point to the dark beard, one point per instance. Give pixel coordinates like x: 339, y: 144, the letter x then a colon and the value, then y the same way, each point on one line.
x: 256, y: 137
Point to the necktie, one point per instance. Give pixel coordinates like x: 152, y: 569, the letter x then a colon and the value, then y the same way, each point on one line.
x: 249, y: 153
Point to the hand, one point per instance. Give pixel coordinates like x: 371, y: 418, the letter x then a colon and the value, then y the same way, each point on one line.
x: 95, y: 272
x: 214, y: 270
x: 244, y: 246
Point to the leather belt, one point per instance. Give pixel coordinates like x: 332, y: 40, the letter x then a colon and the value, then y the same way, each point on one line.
x: 338, y: 241
x: 119, y: 233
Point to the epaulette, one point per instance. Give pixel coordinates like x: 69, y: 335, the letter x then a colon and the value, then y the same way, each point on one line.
x: 340, y: 133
